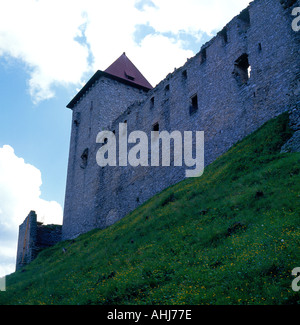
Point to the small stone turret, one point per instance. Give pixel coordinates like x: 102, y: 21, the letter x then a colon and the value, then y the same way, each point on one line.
x: 33, y: 237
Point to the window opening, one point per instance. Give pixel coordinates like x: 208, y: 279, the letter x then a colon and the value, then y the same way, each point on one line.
x: 152, y: 102
x: 223, y: 33
x: 242, y: 70
x: 194, y: 104
x: 155, y: 127
x: 259, y: 47
x: 84, y: 158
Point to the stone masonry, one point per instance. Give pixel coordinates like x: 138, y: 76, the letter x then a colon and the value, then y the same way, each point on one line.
x: 33, y: 237
x: 246, y: 75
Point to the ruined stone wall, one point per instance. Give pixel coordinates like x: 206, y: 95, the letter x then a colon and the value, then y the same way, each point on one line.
x: 33, y: 237
x: 232, y: 101
x: 26, y: 242
x: 48, y: 235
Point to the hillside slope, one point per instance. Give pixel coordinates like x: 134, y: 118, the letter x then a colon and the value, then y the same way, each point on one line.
x: 231, y: 236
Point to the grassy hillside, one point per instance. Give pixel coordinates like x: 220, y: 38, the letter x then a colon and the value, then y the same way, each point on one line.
x: 229, y: 237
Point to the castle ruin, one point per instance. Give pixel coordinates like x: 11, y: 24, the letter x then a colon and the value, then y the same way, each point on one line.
x: 244, y: 76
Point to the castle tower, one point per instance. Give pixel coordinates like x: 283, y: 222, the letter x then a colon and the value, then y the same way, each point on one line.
x: 245, y: 75
x: 105, y: 96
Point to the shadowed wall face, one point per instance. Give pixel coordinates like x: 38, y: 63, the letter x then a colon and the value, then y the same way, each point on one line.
x: 246, y: 75
x: 33, y: 237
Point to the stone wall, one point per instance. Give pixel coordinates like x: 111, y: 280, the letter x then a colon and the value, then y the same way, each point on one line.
x: 101, y: 105
x: 244, y: 76
x: 293, y: 144
x: 33, y: 237
x: 26, y: 242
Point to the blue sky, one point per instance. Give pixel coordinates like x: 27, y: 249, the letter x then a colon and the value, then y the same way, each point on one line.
x: 47, y: 53
x: 38, y: 133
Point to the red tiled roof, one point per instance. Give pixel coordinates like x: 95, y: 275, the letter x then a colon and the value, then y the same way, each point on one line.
x: 125, y: 69
x: 122, y: 70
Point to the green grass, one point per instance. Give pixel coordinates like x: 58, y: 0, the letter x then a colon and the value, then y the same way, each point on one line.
x: 228, y: 237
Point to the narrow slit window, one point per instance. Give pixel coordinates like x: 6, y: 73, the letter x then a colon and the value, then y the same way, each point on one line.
x: 155, y: 127
x: 193, y: 104
x: 84, y: 158
x: 152, y: 102
x: 167, y: 89
x: 259, y: 47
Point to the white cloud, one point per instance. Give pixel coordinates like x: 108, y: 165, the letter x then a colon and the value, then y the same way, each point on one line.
x: 57, y: 40
x: 192, y: 15
x: 156, y: 55
x: 44, y: 34
x: 19, y: 193
x: 110, y: 36
x: 157, y: 48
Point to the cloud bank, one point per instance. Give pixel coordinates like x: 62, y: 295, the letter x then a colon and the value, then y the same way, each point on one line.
x: 62, y: 43
x: 19, y: 193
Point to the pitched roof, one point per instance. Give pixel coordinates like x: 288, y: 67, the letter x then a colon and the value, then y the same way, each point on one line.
x: 125, y: 69
x: 122, y: 70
